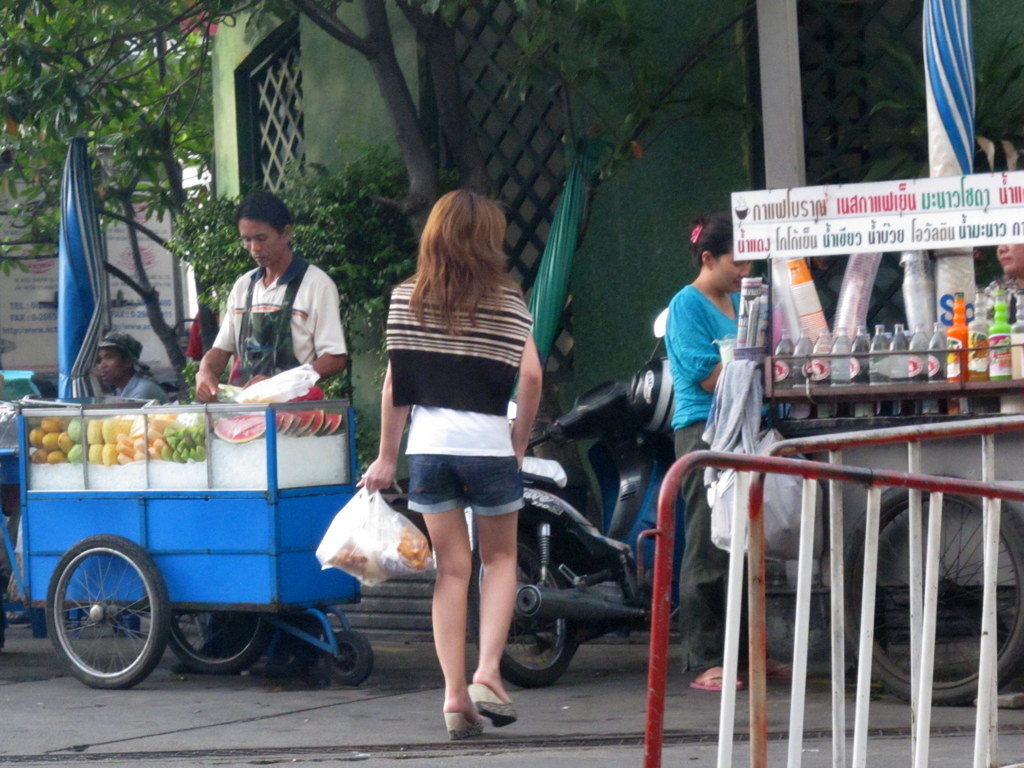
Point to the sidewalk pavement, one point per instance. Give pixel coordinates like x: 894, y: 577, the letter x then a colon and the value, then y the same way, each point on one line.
x: 593, y: 717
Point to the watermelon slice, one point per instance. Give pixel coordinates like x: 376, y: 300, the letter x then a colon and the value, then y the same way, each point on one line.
x: 284, y: 422
x: 332, y: 422
x: 303, y: 420
x: 240, y: 429
x: 316, y: 424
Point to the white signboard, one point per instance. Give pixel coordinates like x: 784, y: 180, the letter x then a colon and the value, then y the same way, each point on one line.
x: 28, y: 306
x: 127, y: 312
x: 28, y: 301
x: 914, y: 214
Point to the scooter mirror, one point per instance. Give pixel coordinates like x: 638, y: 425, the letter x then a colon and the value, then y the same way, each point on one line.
x: 661, y: 324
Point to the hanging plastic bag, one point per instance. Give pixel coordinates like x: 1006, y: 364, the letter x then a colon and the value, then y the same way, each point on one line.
x: 371, y: 541
x: 293, y: 384
x: 781, y: 509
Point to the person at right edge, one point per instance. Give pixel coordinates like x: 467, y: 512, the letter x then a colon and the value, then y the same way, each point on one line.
x: 458, y: 336
x: 702, y: 312
x: 282, y: 314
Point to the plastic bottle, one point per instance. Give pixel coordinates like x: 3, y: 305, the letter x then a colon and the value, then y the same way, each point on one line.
x: 1015, y: 403
x: 977, y: 340
x: 956, y: 356
x: 879, y: 361
x: 1000, y: 365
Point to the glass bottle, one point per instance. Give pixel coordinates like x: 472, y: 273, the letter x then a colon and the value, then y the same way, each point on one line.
x: 841, y: 374
x: 918, y: 360
x: 802, y: 358
x: 859, y: 360
x: 782, y: 361
x: 879, y: 363
x: 899, y: 360
x: 937, y: 354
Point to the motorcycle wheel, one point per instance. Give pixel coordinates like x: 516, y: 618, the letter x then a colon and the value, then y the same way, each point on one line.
x: 958, y: 616
x: 538, y: 651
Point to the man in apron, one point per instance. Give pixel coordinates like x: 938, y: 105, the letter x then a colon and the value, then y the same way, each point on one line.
x: 282, y: 314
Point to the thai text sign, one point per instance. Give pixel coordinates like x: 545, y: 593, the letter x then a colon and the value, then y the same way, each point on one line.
x: 913, y: 214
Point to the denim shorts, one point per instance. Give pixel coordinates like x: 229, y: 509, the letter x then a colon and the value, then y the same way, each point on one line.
x: 491, y: 485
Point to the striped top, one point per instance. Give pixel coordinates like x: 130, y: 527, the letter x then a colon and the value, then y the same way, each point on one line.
x: 472, y: 371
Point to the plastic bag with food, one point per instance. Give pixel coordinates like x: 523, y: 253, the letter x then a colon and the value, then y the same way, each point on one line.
x: 293, y: 384
x: 371, y: 541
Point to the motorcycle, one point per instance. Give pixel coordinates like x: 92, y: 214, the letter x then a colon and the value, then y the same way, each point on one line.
x: 578, y: 580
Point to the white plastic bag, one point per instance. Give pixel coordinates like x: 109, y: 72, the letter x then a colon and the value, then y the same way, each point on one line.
x: 782, y: 501
x: 285, y: 386
x: 371, y: 541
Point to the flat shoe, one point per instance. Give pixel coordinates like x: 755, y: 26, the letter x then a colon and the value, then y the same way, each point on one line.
x: 713, y: 683
x: 459, y: 727
x: 490, y: 706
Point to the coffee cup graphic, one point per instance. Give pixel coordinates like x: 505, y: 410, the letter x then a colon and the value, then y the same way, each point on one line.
x: 741, y: 208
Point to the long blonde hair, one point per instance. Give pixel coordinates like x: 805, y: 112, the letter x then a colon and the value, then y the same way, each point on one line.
x: 461, y: 262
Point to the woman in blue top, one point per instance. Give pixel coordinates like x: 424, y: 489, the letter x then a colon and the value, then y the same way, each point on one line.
x: 705, y: 310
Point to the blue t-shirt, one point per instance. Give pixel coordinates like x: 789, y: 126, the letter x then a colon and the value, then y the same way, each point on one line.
x: 694, y: 323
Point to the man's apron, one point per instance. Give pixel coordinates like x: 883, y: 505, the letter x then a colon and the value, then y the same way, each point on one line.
x: 265, y: 338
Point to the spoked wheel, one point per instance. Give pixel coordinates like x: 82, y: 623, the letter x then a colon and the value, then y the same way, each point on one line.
x: 218, y: 642
x: 538, y: 651
x: 107, y: 612
x: 354, y: 661
x: 958, y: 618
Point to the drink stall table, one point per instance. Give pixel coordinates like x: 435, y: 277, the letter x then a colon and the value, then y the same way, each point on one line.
x: 188, y: 525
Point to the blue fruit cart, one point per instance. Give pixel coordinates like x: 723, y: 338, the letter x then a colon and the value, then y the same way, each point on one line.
x: 191, y: 526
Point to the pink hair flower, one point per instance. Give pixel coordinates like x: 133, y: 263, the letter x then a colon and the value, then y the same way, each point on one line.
x: 695, y: 235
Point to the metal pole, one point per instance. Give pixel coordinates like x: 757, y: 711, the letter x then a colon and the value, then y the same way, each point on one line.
x: 986, y: 721
x: 837, y: 543
x: 915, y: 581
x: 757, y: 623
x: 867, y: 628
x: 801, y: 624
x: 923, y: 695
x: 733, y: 605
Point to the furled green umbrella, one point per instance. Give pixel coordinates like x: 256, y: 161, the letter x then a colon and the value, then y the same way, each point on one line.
x: 551, y: 288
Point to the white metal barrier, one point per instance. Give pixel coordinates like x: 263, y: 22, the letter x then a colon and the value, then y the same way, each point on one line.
x: 923, y: 586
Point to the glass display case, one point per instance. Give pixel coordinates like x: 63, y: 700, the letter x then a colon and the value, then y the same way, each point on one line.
x: 188, y: 447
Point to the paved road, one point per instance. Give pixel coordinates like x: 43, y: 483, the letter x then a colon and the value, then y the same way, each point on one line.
x: 593, y: 718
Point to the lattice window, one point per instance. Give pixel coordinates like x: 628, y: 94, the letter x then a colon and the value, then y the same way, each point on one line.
x: 853, y: 56
x: 522, y: 139
x: 271, y: 130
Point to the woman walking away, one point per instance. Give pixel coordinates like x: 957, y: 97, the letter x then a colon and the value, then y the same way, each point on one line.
x: 458, y: 336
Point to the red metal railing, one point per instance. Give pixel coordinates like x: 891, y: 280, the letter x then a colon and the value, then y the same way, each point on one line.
x: 759, y: 465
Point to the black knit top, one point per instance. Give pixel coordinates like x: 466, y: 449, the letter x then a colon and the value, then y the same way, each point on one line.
x: 471, y: 371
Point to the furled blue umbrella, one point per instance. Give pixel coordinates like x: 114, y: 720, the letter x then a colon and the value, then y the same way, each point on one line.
x: 949, y: 74
x: 551, y: 288
x: 83, y: 308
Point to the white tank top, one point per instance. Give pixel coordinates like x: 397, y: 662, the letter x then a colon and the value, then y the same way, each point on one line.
x: 458, y: 433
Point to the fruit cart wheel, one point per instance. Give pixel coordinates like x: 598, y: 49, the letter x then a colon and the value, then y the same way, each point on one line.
x: 354, y: 661
x: 107, y: 612
x: 218, y: 642
x: 958, y: 620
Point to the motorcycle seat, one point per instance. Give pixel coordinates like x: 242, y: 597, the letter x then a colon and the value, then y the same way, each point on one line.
x: 547, y: 470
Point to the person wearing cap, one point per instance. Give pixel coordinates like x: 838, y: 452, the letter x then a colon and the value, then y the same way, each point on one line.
x: 282, y: 314
x: 120, y: 372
